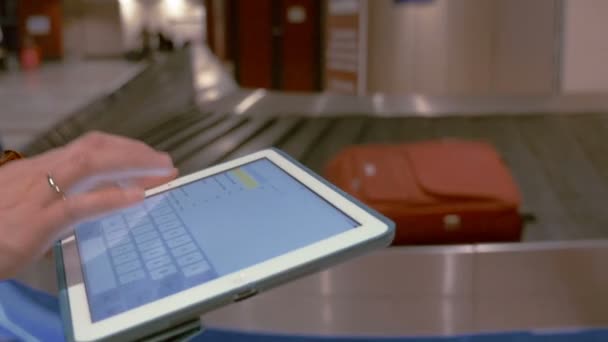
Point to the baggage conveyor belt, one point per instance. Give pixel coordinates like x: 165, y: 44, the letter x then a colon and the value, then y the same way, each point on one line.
x: 559, y: 161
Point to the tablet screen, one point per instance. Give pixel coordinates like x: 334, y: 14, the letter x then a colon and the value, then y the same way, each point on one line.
x: 197, y: 232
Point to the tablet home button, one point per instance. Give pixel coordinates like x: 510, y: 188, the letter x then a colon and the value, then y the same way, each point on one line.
x: 245, y: 294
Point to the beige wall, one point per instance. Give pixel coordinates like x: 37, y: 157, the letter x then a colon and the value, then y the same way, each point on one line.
x: 585, y: 55
x: 527, y: 46
x: 402, y: 41
x: 462, y: 47
x: 182, y: 20
x: 92, y: 28
x: 469, y: 46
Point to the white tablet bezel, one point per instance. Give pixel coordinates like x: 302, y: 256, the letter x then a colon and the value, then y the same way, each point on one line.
x: 85, y: 330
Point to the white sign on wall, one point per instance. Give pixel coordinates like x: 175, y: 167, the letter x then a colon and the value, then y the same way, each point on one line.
x: 38, y: 25
x: 346, y: 47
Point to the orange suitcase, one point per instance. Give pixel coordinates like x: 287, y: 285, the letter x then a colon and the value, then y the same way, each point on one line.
x: 437, y: 192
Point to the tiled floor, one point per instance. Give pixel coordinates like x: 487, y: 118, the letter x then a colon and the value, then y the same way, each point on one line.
x: 31, y: 102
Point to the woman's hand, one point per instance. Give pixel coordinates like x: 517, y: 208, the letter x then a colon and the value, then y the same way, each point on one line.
x: 88, y: 170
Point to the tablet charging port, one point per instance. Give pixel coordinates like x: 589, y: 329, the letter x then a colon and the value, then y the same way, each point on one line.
x: 244, y: 295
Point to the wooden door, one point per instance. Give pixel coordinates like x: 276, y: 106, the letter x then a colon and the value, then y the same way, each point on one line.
x: 277, y: 44
x: 300, y: 45
x: 40, y: 14
x: 254, y: 43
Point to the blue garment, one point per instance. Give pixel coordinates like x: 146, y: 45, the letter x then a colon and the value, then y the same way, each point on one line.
x: 215, y: 335
x: 31, y: 315
x: 28, y: 315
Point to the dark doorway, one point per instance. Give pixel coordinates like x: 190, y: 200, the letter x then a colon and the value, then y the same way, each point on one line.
x: 277, y: 44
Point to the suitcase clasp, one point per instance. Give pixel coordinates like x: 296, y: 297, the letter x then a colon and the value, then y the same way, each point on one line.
x: 369, y: 169
x: 451, y: 222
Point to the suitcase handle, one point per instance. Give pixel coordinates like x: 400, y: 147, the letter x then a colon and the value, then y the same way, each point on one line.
x: 528, y: 218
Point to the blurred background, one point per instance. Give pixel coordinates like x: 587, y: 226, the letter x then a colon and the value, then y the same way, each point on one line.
x: 458, y: 48
x: 212, y: 80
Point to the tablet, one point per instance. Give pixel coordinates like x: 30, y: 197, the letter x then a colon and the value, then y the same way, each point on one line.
x: 205, y: 240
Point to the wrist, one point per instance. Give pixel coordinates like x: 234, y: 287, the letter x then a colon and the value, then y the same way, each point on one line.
x: 8, y: 156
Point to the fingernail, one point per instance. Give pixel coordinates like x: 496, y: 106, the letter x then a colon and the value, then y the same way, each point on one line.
x: 135, y: 194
